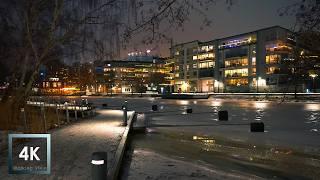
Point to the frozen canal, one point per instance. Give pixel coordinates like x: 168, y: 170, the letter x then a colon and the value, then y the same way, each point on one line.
x: 289, y: 147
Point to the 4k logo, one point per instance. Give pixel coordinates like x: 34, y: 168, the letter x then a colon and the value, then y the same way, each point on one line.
x: 29, y: 153
x: 33, y: 153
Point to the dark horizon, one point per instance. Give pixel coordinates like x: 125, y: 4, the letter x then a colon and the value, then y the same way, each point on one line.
x: 243, y: 17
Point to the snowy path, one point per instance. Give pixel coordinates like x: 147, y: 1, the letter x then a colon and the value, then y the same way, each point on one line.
x: 73, y: 145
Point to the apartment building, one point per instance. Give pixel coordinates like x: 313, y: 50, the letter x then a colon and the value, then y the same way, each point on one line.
x: 134, y: 75
x: 249, y: 62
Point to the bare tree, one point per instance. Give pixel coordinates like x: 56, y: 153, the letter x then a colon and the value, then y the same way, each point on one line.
x: 307, y: 39
x: 36, y: 32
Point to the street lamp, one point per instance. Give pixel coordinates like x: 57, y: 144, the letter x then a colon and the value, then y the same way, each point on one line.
x: 313, y: 76
x: 259, y: 78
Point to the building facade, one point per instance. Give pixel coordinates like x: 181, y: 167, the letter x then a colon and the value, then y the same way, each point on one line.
x: 133, y: 75
x: 249, y: 62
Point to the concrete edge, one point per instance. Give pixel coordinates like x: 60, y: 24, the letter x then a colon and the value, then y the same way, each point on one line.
x: 113, y: 173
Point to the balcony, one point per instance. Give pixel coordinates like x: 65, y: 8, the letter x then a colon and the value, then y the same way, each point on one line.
x: 206, y: 73
x: 236, y: 75
x: 236, y: 65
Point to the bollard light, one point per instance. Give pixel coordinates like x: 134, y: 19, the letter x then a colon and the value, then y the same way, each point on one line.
x: 99, y: 165
x: 223, y: 115
x: 125, y: 115
x: 154, y: 107
x: 257, y: 127
x: 189, y: 110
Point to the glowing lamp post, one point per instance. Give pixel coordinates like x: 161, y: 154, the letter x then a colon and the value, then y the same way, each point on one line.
x: 313, y: 76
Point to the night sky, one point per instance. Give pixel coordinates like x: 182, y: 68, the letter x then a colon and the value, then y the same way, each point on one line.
x: 244, y: 16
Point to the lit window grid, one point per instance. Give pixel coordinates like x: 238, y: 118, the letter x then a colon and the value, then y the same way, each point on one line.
x: 203, y: 56
x: 272, y: 70
x: 237, y: 82
x: 273, y: 59
x: 236, y: 62
x: 238, y: 42
x: 236, y: 73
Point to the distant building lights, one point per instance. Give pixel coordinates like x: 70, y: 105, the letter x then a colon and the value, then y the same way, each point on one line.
x: 69, y: 89
x: 184, y: 86
x: 313, y: 75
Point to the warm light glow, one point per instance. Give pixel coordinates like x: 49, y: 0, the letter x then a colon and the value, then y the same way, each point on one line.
x: 183, y: 102
x: 216, y: 103
x: 69, y: 89
x: 236, y: 62
x: 184, y: 86
x: 218, y: 84
x: 236, y: 73
x: 261, y: 105
x: 313, y: 75
x: 261, y: 82
x: 312, y: 107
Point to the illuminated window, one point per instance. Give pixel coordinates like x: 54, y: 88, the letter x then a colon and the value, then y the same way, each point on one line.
x: 194, y: 66
x: 254, y: 71
x: 194, y: 57
x: 206, y: 48
x: 272, y: 70
x: 238, y: 42
x: 254, y: 82
x: 253, y: 61
x: 54, y: 84
x: 237, y: 82
x: 272, y: 59
x: 278, y: 47
x: 236, y: 62
x: 236, y: 73
x: 205, y: 56
x: 209, y: 64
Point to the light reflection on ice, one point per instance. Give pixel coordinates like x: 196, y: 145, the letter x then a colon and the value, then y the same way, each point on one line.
x: 312, y: 107
x: 313, y: 118
x: 216, y: 103
x: 183, y: 102
x: 314, y: 130
x: 261, y: 105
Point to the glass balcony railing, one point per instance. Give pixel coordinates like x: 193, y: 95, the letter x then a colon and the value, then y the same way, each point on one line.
x: 206, y: 73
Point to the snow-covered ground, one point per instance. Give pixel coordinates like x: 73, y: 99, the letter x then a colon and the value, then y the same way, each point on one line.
x: 151, y: 165
x: 289, y: 147
x: 72, y: 146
